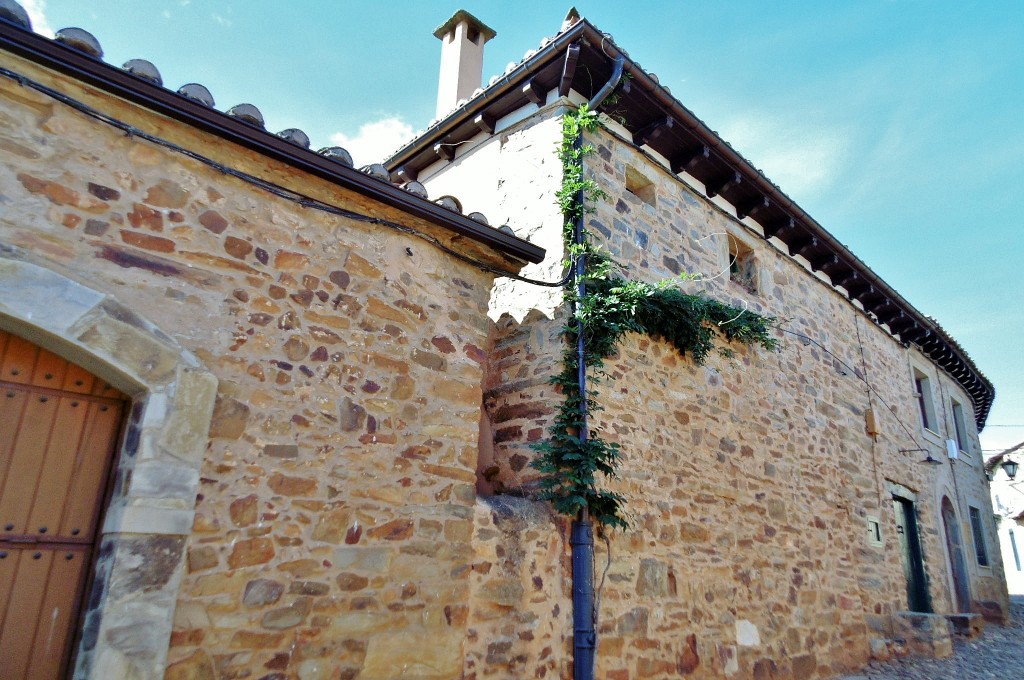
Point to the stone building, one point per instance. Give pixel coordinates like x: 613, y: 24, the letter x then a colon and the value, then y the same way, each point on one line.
x: 267, y: 415
x: 297, y: 349
x: 788, y: 508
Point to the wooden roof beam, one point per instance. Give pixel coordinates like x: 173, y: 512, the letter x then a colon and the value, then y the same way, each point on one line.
x: 485, y: 123
x: 650, y: 132
x: 444, y: 152
x: 827, y: 261
x: 717, y: 186
x: 752, y: 207
x: 913, y: 333
x: 534, y: 93
x: 864, y: 293
x: 406, y: 174
x: 572, y: 55
x: 850, y: 276
x: 800, y: 246
x: 690, y: 159
x: 899, y: 320
x: 785, y: 224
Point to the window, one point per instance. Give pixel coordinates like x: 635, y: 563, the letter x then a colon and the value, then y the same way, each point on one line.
x: 639, y: 186
x: 958, y: 426
x: 979, y: 538
x: 874, y: 532
x: 741, y: 264
x: 1016, y: 555
x: 923, y: 386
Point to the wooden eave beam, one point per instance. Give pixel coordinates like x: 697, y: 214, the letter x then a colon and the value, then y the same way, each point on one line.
x: 717, y: 186
x: 572, y: 55
x: 913, y: 334
x: 849, y: 276
x: 824, y: 262
x: 484, y: 122
x: 687, y: 160
x: 779, y: 226
x: 800, y: 246
x: 899, y: 320
x: 651, y: 131
x: 534, y: 93
x: 753, y: 207
x: 406, y: 174
x: 886, y: 309
x: 864, y: 293
x: 445, y: 152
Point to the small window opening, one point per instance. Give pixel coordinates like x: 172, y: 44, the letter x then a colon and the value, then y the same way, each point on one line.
x: 923, y: 387
x: 958, y: 426
x: 874, y: 532
x: 640, y: 186
x: 741, y: 264
x: 980, y: 550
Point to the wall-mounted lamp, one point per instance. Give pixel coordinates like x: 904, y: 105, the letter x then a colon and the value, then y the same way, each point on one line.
x: 928, y: 459
x: 1009, y: 467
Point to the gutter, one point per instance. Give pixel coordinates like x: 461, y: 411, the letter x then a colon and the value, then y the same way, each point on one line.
x: 114, y: 81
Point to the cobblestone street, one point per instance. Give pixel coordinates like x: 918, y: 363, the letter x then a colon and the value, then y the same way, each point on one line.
x: 997, y: 655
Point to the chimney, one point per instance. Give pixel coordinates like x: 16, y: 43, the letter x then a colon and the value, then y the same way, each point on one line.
x: 462, y: 58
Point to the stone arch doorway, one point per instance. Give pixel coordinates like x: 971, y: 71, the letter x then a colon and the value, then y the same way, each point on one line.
x: 954, y: 547
x: 127, y: 622
x: 59, y: 429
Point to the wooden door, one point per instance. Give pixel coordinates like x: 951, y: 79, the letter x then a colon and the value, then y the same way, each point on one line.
x: 59, y: 427
x: 954, y: 546
x: 912, y: 555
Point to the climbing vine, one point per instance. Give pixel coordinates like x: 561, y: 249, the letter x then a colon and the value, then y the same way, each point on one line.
x: 611, y: 306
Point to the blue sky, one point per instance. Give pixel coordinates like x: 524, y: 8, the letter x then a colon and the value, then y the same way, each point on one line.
x: 897, y: 124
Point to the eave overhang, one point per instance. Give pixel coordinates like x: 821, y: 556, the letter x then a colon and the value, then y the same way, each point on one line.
x: 120, y: 83
x: 581, y: 58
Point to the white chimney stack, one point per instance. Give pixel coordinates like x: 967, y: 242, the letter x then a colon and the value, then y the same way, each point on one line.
x: 462, y: 59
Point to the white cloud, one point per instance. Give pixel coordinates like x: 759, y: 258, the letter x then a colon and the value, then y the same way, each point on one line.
x: 37, y: 14
x: 799, y: 158
x: 375, y: 140
x: 222, y: 20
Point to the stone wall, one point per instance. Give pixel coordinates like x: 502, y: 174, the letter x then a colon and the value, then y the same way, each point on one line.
x: 750, y: 480
x: 330, y: 517
x: 328, y: 524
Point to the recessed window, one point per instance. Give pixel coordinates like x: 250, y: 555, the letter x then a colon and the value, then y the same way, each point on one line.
x: 980, y: 550
x: 923, y: 388
x: 640, y: 186
x: 874, y: 532
x: 958, y: 425
x: 741, y: 264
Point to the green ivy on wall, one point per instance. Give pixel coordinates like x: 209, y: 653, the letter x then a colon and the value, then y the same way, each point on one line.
x: 610, y: 307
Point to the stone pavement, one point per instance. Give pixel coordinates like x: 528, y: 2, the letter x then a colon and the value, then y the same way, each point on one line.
x: 997, y: 655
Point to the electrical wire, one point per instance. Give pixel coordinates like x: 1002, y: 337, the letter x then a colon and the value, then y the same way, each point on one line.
x: 271, y: 187
x: 863, y: 379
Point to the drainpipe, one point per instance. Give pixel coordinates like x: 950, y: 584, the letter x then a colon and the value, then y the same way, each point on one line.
x: 584, y: 659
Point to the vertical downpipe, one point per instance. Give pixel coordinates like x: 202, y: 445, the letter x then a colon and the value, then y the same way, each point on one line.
x: 584, y: 659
